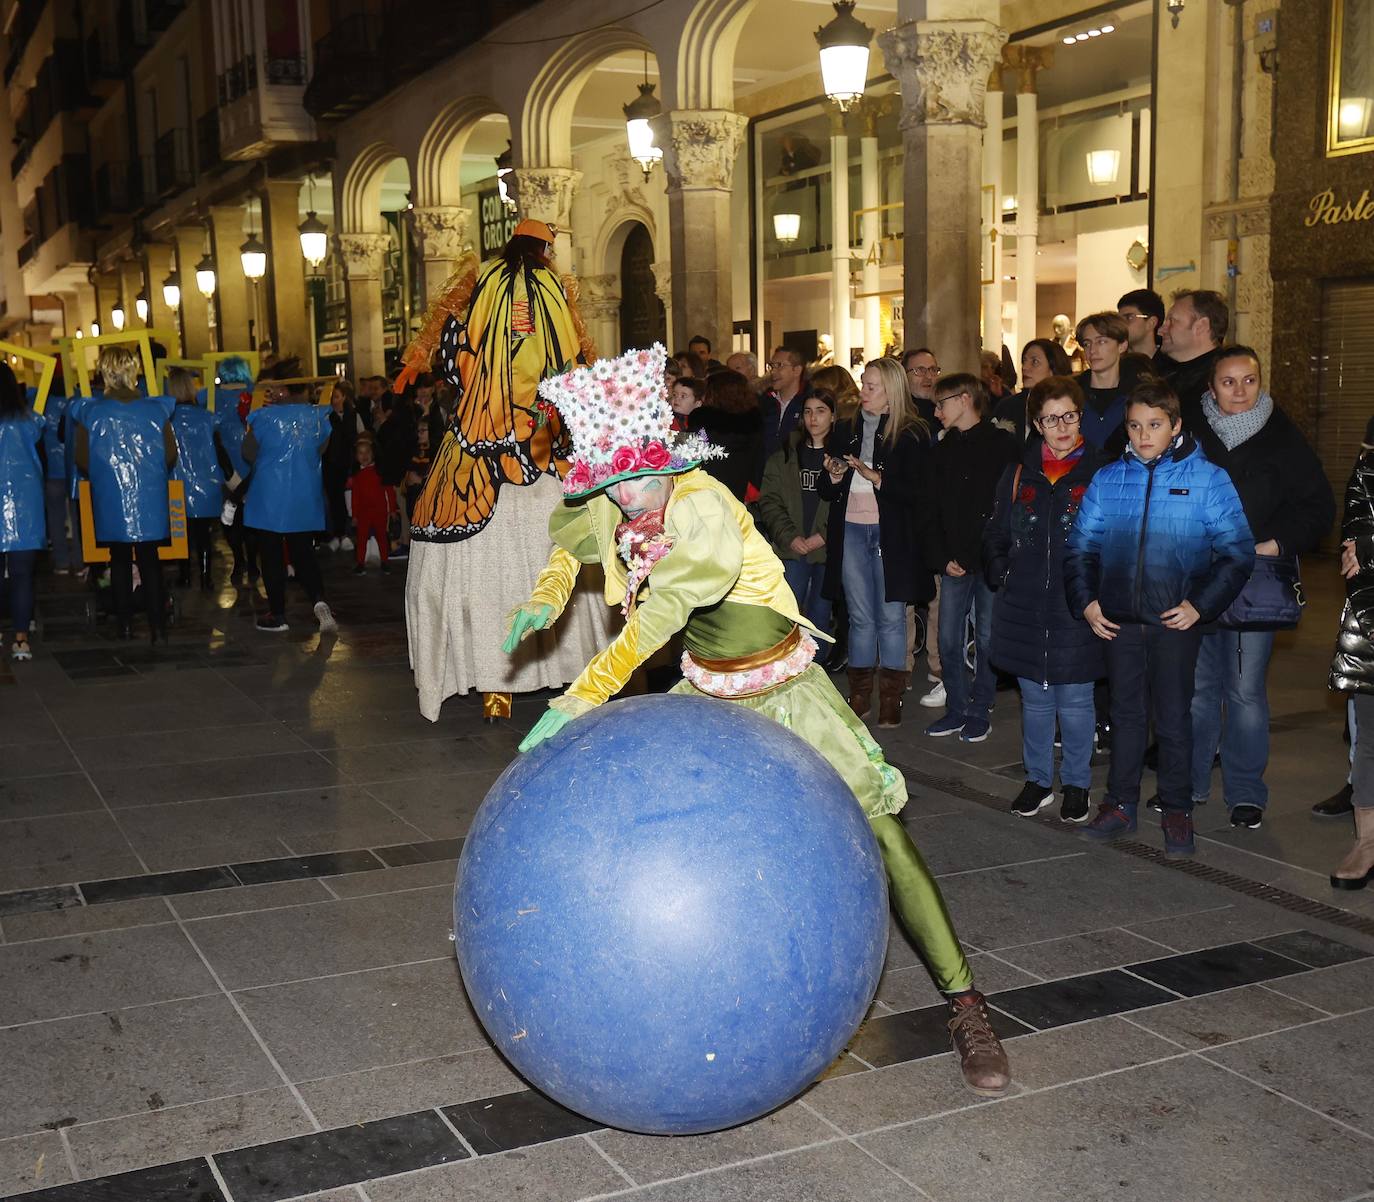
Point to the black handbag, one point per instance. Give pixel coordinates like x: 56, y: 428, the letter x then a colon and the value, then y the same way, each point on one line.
x: 1272, y: 598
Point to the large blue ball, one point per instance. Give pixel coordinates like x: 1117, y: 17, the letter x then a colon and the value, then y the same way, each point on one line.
x: 672, y: 916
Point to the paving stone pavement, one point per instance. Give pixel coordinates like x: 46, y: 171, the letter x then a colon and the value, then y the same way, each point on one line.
x: 225, y: 870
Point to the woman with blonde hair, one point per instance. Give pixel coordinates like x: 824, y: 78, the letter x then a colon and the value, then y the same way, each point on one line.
x: 874, y: 468
x: 126, y: 445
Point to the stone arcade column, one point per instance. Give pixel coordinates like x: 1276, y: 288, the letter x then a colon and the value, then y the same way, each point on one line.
x: 600, y: 305
x: 160, y: 259
x: 870, y: 198
x: 443, y: 231
x: 546, y: 194
x: 663, y: 289
x: 196, y: 335
x: 362, y: 263
x: 232, y: 291
x: 285, y: 313
x: 942, y: 68
x: 699, y: 147
x: 992, y: 179
x: 1028, y: 60
x: 839, y: 238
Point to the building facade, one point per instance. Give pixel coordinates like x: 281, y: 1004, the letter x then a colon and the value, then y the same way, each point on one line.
x: 1010, y: 162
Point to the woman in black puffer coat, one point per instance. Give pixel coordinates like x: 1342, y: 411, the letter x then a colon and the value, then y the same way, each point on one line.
x: 1054, y: 655
x: 1352, y: 669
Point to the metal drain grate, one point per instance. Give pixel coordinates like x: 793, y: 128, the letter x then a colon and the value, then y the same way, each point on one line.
x: 1294, y: 903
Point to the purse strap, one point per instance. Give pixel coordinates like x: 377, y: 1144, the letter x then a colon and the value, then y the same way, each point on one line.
x: 1016, y: 483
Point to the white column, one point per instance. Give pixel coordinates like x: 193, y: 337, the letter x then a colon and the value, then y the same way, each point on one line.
x: 839, y: 238
x: 992, y: 178
x: 871, y: 198
x: 1031, y: 60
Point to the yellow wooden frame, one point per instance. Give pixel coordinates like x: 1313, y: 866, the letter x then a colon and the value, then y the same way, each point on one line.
x: 197, y: 366
x: 1335, y: 144
x: 211, y: 360
x: 176, y: 548
x: 326, y: 393
x: 47, y: 368
x: 144, y: 339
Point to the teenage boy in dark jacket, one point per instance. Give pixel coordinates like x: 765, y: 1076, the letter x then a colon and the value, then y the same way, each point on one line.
x: 1160, y: 547
x: 966, y: 465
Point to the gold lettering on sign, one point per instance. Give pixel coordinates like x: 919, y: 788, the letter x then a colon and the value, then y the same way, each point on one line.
x: 1325, y: 209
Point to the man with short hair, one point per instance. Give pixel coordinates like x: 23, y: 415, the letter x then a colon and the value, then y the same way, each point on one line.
x: 1143, y: 311
x: 965, y: 467
x: 922, y: 370
x: 1193, y: 331
x: 700, y: 345
x: 782, y: 404
x: 1104, y: 338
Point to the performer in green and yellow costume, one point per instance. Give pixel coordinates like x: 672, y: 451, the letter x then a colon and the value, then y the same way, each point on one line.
x: 479, y: 528
x: 680, y: 553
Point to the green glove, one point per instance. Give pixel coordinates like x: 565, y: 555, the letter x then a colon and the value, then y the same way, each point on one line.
x: 549, y: 725
x: 524, y: 622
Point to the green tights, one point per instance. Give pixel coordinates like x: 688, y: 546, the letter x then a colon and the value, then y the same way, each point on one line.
x: 917, y: 900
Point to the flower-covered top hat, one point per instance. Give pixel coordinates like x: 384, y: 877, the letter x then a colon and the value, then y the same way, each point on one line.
x: 618, y: 414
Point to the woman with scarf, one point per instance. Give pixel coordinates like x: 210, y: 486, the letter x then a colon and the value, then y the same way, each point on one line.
x: 1289, y: 505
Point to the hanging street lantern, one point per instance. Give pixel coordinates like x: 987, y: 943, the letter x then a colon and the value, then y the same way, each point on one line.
x: 786, y: 227
x: 117, y: 317
x: 141, y: 307
x: 314, y: 239
x: 205, y: 276
x: 641, y: 137
x: 254, y: 256
x: 171, y: 291
x: 844, y: 55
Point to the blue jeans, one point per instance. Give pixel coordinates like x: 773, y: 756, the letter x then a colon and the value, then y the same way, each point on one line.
x: 877, y: 627
x: 805, y: 580
x: 1073, y: 705
x: 1231, y: 711
x: 968, y: 695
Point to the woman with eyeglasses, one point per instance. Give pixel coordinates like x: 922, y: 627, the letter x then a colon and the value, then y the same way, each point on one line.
x: 1041, y: 359
x: 1055, y: 656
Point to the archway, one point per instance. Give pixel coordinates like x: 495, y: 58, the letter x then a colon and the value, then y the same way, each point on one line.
x: 643, y: 320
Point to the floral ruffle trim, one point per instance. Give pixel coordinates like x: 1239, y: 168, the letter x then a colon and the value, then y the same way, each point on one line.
x: 754, y: 680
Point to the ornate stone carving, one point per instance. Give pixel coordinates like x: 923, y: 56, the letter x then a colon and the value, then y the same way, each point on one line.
x: 942, y: 68
x: 546, y: 193
x: 443, y: 230
x: 663, y: 281
x: 362, y: 254
x: 625, y: 183
x: 600, y: 295
x: 699, y: 147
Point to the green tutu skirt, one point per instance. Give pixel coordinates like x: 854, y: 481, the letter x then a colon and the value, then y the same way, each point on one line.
x: 811, y: 707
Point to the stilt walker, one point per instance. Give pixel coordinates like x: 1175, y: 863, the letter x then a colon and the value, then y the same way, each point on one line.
x: 480, y: 527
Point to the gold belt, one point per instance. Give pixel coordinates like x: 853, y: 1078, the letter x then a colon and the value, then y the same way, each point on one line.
x: 755, y: 659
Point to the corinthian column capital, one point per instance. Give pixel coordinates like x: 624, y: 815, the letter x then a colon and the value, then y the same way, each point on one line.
x: 699, y: 147
x: 943, y: 69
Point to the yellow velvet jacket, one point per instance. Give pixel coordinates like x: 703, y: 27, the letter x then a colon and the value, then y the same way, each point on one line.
x: 717, y: 555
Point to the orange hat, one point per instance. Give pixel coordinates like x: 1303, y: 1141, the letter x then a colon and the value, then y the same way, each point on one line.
x: 537, y: 229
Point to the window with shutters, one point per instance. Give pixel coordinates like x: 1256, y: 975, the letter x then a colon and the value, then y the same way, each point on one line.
x: 1345, y: 377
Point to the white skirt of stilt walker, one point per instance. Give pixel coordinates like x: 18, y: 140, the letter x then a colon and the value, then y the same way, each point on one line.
x: 459, y: 597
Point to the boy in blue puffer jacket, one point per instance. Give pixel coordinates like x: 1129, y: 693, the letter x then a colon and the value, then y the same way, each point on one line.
x: 1160, y: 548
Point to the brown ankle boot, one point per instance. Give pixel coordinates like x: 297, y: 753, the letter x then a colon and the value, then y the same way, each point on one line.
x: 1357, y: 869
x: 891, y: 689
x: 981, y: 1058
x: 861, y: 691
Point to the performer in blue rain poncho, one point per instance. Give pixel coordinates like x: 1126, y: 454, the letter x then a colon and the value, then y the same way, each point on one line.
x: 198, y: 468
x: 21, y: 506
x: 126, y: 446
x: 233, y: 395
x: 285, y: 504
x: 65, y: 542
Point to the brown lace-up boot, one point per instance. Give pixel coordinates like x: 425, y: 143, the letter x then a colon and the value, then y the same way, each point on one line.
x: 861, y: 690
x: 980, y: 1053
x: 891, y: 688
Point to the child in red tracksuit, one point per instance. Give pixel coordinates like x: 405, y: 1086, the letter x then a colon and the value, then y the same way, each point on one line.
x: 373, y: 503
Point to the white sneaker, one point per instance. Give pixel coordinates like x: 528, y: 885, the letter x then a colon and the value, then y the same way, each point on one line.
x: 345, y: 543
x: 325, y: 616
x: 936, y: 697
x: 333, y: 544
x: 20, y: 651
x: 291, y: 571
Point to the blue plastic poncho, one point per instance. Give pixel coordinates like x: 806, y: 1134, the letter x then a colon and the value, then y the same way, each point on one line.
x: 75, y: 415
x: 197, y: 464
x: 229, y: 426
x: 287, y: 492
x: 22, y: 525
x: 128, y: 465
x: 53, y: 446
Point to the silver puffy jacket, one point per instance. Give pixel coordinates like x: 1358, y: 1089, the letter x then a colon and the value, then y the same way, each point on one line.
x: 1352, y: 667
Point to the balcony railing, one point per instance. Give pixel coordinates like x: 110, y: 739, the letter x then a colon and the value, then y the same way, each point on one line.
x: 207, y: 142
x: 118, y: 189
x: 172, y: 162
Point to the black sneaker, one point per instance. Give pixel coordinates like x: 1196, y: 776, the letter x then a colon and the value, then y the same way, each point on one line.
x: 1338, y: 804
x: 1074, y: 807
x: 1032, y: 799
x: 272, y: 623
x: 1155, y: 804
x: 1250, y: 817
